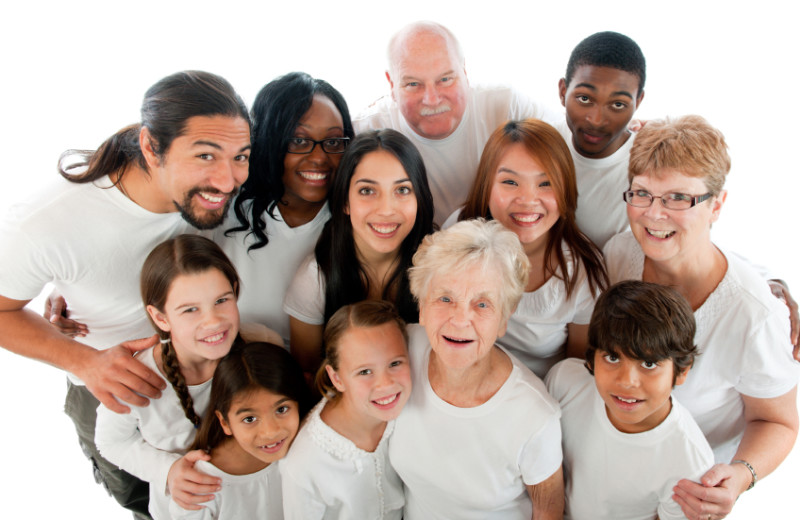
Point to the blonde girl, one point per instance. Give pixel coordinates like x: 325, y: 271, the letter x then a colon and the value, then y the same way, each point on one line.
x: 338, y: 466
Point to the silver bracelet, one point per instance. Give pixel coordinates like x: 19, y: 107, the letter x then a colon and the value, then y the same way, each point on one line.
x: 752, y: 472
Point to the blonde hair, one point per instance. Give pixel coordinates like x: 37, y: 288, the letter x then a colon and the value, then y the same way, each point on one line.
x: 688, y: 144
x: 469, y: 243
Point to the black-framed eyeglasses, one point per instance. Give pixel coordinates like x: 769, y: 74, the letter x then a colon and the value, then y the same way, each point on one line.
x: 677, y: 201
x: 330, y: 145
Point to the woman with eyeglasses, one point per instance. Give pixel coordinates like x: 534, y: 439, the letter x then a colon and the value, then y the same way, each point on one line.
x: 742, y: 387
x: 381, y: 208
x: 301, y: 128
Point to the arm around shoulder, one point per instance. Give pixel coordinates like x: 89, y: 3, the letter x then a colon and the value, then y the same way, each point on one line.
x: 106, y: 373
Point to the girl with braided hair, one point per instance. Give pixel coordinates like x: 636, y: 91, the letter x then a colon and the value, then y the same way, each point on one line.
x: 189, y: 289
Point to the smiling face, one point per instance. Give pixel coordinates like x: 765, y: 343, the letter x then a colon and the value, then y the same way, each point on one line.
x: 522, y: 198
x: 307, y: 177
x: 201, y: 170
x: 429, y: 85
x: 262, y: 423
x: 636, y: 393
x: 201, y: 316
x: 600, y: 102
x: 462, y: 313
x: 373, y: 377
x: 673, y: 235
x: 381, y: 204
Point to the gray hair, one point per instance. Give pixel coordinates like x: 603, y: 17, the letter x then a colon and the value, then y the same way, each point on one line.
x: 422, y: 27
x: 469, y: 243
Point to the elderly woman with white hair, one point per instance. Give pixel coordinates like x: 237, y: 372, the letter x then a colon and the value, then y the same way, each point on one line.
x: 479, y: 437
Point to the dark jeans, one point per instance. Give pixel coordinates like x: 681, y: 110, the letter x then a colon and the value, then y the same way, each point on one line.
x: 131, y: 493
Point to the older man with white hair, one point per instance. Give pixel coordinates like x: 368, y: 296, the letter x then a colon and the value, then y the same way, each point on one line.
x: 433, y: 104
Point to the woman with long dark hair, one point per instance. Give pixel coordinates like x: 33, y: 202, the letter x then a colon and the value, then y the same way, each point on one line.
x: 301, y: 128
x: 381, y: 208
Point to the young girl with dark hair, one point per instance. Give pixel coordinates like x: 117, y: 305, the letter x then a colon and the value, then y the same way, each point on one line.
x: 526, y: 181
x: 301, y: 128
x: 258, y: 399
x: 381, y: 208
x: 189, y: 289
x: 338, y: 467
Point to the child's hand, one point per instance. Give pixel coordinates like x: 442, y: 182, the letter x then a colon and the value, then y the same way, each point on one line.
x: 113, y: 375
x: 189, y: 487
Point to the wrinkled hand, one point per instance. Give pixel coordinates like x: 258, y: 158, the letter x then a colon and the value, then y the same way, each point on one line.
x: 781, y: 291
x: 114, y: 373
x: 56, y: 312
x: 714, y: 497
x: 189, y: 487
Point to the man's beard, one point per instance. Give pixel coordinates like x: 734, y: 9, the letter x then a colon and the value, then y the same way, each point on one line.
x: 201, y: 218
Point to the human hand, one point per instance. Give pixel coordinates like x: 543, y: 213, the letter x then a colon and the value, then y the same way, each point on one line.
x: 56, y: 312
x: 189, y: 487
x: 781, y: 291
x: 114, y: 375
x: 634, y: 125
x: 714, y: 497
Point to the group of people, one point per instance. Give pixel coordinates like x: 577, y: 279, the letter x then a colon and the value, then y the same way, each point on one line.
x: 506, y: 313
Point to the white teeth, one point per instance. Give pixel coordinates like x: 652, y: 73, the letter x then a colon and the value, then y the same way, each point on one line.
x: 527, y: 218
x: 212, y: 198
x: 270, y: 446
x: 387, y: 400
x: 214, y: 338
x: 629, y: 401
x: 314, y: 176
x: 457, y: 340
x: 433, y: 111
x: 660, y: 234
x: 384, y: 229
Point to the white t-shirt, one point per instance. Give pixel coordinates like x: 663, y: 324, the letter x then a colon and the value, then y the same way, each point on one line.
x: 245, y: 497
x: 266, y: 272
x: 452, y: 162
x: 743, y: 340
x: 474, y: 463
x: 326, y: 476
x: 90, y: 242
x: 613, y: 475
x: 537, y: 330
x: 601, y: 210
x: 305, y: 298
x: 149, y: 439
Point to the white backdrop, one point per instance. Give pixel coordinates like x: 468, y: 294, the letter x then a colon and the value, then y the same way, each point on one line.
x: 75, y: 72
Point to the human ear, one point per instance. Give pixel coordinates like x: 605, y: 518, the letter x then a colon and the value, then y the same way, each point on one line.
x: 391, y: 85
x: 562, y: 91
x: 146, y: 142
x: 222, y: 422
x: 681, y: 377
x: 158, y: 318
x: 716, y: 205
x: 337, y: 382
x: 639, y: 99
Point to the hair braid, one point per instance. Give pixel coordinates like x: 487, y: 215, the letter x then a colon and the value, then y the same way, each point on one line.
x: 176, y: 379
